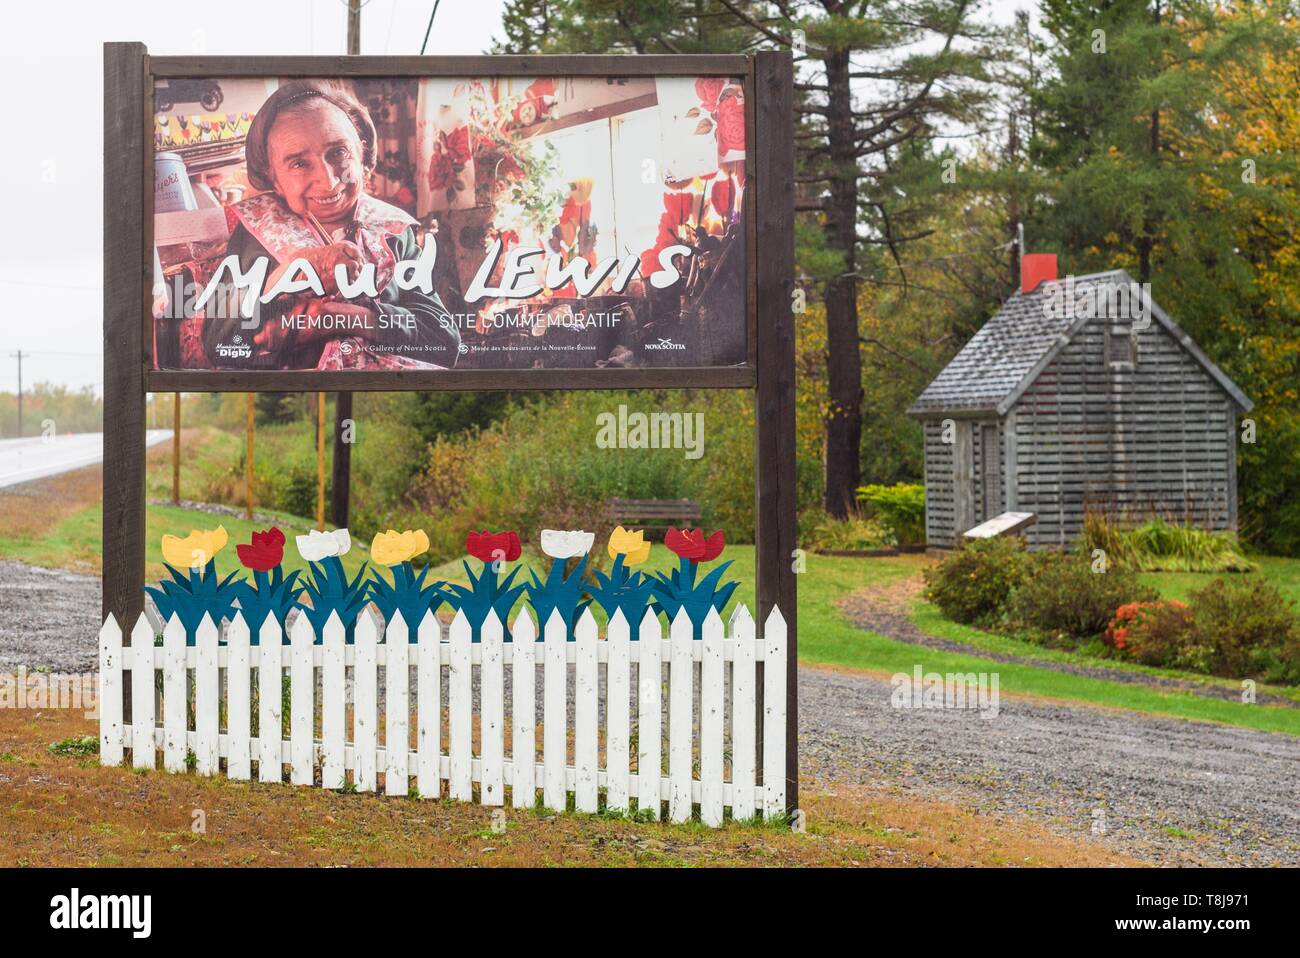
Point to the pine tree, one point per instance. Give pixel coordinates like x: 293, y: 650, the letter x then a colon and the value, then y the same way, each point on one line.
x: 872, y: 76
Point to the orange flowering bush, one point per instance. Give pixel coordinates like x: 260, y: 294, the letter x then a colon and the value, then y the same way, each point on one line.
x: 1152, y: 633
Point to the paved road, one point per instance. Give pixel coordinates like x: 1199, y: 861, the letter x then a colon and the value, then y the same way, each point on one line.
x: 22, y: 460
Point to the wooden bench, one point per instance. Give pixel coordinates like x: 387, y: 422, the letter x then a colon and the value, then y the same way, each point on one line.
x: 655, y: 514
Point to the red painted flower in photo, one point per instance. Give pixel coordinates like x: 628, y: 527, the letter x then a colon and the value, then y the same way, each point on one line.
x: 265, y: 551
x: 708, y: 89
x: 441, y: 172
x: 691, y: 544
x: 508, y: 168
x: 575, y: 212
x: 459, y: 145
x: 491, y: 546
x: 731, y: 126
x: 723, y: 196
x: 680, y: 207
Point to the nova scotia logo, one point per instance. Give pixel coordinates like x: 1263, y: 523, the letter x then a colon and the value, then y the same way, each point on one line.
x: 665, y: 343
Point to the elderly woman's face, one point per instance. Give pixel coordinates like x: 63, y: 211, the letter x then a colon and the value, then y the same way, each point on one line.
x: 316, y: 160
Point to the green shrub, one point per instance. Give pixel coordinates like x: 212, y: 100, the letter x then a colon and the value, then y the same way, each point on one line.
x: 1062, y: 594
x: 1243, y: 627
x: 901, y: 508
x: 1235, y: 628
x: 298, y: 494
x: 540, y: 467
x: 975, y: 585
x: 854, y: 533
x: 1160, y: 546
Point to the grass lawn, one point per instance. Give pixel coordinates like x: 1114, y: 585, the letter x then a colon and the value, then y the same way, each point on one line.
x: 1282, y: 572
x: 826, y: 638
x: 74, y: 541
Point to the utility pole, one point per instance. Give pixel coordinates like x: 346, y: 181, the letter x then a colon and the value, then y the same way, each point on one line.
x: 248, y: 459
x: 341, y: 475
x: 19, y: 356
x: 1018, y: 242
x: 176, y: 449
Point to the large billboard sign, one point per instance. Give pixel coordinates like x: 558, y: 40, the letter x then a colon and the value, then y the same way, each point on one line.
x: 341, y: 224
x: 424, y: 223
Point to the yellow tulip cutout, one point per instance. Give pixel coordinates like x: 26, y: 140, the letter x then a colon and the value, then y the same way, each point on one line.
x: 631, y: 545
x: 392, y: 547
x: 194, y: 551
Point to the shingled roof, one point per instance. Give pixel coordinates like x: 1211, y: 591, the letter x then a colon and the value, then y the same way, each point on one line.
x: 991, y: 371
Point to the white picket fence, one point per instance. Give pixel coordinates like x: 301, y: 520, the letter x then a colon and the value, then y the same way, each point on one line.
x: 727, y: 662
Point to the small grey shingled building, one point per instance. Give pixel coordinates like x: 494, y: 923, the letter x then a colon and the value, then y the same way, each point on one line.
x: 1105, y: 405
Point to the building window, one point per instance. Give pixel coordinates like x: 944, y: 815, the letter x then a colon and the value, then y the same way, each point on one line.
x: 1121, y: 346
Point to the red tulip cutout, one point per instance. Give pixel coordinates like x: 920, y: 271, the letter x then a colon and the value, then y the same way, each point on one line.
x: 491, y: 546
x: 265, y: 551
x: 691, y: 544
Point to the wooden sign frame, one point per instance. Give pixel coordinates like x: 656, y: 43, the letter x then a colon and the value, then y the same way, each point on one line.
x: 129, y: 77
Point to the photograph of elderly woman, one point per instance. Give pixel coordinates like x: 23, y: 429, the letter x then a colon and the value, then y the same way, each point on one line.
x: 500, y: 223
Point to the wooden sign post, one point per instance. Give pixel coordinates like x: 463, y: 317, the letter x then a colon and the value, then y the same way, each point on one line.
x: 130, y: 75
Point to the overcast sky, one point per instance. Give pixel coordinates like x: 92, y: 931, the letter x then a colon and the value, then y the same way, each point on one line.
x: 51, y: 171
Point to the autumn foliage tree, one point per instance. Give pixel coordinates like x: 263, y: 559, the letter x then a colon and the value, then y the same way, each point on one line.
x: 872, y: 76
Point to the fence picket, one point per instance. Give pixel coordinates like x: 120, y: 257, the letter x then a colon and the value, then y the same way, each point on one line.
x: 207, y: 696
x: 617, y: 724
x: 711, y: 675
x: 334, y: 705
x: 239, y: 759
x: 681, y: 676
x: 428, y: 686
x: 460, y: 692
x: 586, y: 716
x: 176, y: 711
x: 555, y: 716
x: 397, y: 706
x: 365, y: 703
x: 302, y: 703
x: 269, y: 708
x: 109, y: 699
x: 649, y: 722
x: 523, y: 712
x: 774, y: 666
x: 491, y: 722
x: 742, y: 714
x: 142, y: 698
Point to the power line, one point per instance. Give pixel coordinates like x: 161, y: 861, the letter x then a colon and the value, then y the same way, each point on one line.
x: 28, y: 282
x: 28, y: 354
x: 429, y: 28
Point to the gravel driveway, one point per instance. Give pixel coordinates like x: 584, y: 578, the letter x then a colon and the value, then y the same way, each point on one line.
x: 32, y: 633
x: 1165, y: 790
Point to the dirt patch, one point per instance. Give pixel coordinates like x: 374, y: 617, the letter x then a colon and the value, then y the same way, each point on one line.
x: 62, y: 810
x: 34, y: 508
